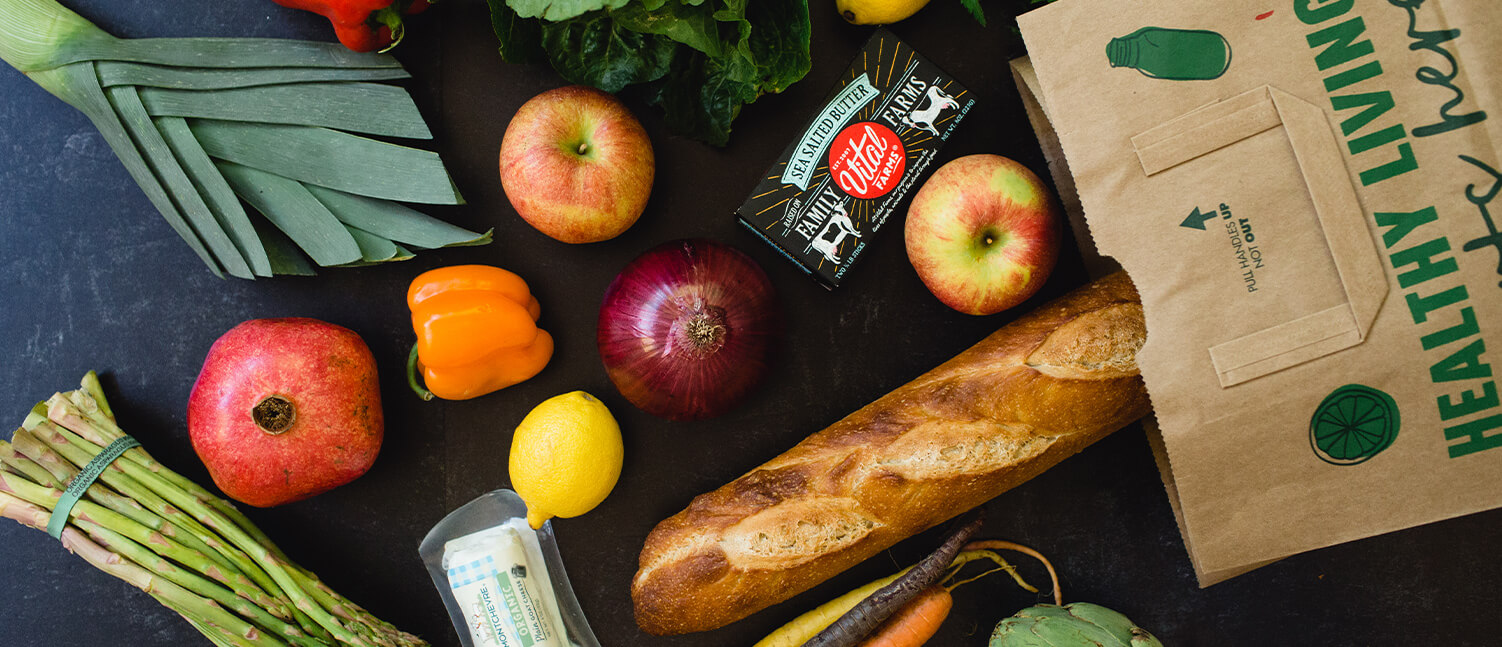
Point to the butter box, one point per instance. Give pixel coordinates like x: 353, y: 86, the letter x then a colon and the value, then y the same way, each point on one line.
x: 871, y: 141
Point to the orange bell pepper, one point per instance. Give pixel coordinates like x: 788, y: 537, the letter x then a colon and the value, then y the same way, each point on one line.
x: 476, y: 332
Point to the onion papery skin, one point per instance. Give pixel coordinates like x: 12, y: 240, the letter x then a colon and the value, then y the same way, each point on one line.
x: 685, y: 329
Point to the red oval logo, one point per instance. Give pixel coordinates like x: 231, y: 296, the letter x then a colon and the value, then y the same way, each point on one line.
x: 867, y: 160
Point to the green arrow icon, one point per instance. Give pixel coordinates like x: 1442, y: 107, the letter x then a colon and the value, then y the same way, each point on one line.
x: 1197, y: 219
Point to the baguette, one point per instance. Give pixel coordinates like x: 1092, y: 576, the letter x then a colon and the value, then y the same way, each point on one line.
x: 1028, y: 396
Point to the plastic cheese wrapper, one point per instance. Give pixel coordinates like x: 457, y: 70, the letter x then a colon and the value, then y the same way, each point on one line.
x: 503, y: 583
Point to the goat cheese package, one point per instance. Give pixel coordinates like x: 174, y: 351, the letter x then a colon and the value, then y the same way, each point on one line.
x: 871, y: 141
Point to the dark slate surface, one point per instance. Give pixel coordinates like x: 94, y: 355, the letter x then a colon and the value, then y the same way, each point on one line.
x: 94, y: 278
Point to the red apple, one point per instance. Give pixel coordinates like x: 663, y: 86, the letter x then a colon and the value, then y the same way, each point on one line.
x: 983, y: 234
x: 285, y: 409
x: 577, y: 165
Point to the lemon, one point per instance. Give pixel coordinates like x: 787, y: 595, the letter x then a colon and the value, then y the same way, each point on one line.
x: 565, y: 457
x: 877, y: 12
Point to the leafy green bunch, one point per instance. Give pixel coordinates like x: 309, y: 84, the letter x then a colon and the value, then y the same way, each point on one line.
x: 699, y: 60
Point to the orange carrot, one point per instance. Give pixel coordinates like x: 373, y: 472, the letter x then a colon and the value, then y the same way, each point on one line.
x: 915, y: 623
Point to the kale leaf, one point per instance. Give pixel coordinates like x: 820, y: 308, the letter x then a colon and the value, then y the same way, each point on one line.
x: 595, y: 49
x: 701, y: 60
x: 557, y: 10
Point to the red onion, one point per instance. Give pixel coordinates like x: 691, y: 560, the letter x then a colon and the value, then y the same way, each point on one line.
x: 686, y: 327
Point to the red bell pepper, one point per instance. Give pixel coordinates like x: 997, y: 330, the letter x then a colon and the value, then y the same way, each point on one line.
x: 363, y: 25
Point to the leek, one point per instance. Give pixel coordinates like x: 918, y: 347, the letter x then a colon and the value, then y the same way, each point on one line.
x: 204, y: 123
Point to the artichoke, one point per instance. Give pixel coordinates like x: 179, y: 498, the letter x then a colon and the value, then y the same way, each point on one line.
x: 1080, y: 624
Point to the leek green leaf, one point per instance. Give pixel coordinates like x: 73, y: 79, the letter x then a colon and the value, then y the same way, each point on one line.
x: 355, y: 107
x: 216, y: 193
x: 218, y: 52
x: 164, y: 165
x: 202, y: 123
x: 296, y: 212
x: 182, y: 78
x: 330, y: 158
x: 373, y: 248
x: 77, y: 85
x: 374, y: 263
x: 377, y: 250
x: 395, y: 221
x: 285, y: 258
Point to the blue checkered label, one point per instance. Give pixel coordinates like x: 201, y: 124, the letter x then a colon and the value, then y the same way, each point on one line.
x: 465, y: 574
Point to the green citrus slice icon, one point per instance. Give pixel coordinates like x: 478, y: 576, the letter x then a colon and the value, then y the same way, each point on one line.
x: 1352, y: 424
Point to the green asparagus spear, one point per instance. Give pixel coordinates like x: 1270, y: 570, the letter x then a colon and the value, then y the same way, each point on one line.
x: 235, y: 630
x: 191, y: 550
x: 74, y: 449
x: 115, y: 522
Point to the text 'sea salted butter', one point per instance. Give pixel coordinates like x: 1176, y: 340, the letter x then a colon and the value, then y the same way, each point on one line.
x: 872, y: 140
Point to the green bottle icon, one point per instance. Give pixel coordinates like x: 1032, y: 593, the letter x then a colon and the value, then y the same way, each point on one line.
x: 1172, y: 54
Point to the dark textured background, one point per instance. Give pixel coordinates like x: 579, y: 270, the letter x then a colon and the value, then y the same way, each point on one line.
x: 94, y: 278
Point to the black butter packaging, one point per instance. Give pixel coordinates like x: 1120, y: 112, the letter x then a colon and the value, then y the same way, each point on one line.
x: 871, y: 142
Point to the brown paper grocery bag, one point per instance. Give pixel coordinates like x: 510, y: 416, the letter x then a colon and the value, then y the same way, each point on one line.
x: 1304, y: 193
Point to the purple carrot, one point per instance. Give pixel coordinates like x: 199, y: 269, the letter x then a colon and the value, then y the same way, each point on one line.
x: 868, y: 614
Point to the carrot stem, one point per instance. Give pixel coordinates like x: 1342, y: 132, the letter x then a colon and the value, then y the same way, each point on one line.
x: 951, y: 587
x: 967, y: 556
x: 997, y: 544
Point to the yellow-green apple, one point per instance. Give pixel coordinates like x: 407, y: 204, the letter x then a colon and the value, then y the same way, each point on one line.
x: 983, y: 234
x: 285, y: 409
x: 577, y: 165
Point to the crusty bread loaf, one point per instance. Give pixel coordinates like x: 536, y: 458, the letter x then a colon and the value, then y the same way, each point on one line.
x: 1023, y: 399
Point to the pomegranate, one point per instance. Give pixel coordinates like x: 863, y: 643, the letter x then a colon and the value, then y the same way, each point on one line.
x: 285, y: 409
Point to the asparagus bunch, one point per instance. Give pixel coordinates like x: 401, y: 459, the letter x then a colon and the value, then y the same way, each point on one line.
x: 192, y: 551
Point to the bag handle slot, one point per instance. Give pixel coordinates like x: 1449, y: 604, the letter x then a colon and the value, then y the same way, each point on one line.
x: 1341, y: 217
